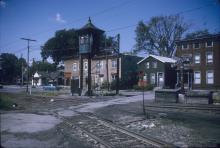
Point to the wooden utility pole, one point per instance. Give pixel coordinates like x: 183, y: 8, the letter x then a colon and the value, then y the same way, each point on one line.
x: 89, y: 76
x: 81, y: 75
x: 22, y: 73
x: 117, y: 78
x: 28, y: 47
x: 107, y: 77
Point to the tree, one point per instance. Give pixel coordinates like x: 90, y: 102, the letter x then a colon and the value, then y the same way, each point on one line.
x: 11, y: 68
x: 159, y: 34
x: 197, y: 34
x: 42, y: 66
x: 63, y: 44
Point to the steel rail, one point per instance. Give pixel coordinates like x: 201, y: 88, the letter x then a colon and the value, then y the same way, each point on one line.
x: 192, y: 107
x: 145, y: 139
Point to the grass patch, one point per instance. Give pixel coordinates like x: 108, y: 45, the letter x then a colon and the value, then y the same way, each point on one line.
x: 146, y: 88
x: 47, y: 93
x: 6, y: 102
x: 216, y: 97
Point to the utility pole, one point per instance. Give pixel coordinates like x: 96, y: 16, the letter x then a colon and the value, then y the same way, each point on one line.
x: 28, y: 47
x: 22, y: 76
x: 106, y: 60
x: 117, y: 78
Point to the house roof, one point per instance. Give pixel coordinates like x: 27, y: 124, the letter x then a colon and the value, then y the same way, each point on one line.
x: 208, y: 36
x: 160, y: 58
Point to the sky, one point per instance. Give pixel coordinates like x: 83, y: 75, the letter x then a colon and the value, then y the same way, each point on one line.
x: 40, y: 19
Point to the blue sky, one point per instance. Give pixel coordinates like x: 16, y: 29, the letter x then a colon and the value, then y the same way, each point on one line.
x: 40, y: 19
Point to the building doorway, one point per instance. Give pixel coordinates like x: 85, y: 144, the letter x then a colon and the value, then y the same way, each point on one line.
x: 160, y: 79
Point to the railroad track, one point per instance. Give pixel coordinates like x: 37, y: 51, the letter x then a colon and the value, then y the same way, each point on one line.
x: 110, y: 135
x: 183, y: 106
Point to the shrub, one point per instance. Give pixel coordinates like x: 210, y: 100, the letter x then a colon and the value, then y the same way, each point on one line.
x: 148, y: 87
x: 104, y: 85
x: 5, y: 102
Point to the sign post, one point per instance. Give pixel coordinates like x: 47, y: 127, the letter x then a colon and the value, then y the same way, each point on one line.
x: 141, y: 75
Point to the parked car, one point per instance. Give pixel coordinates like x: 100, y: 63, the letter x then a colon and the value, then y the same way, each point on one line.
x: 49, y: 87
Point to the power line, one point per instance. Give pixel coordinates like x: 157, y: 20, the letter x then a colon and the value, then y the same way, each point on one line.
x: 133, y: 25
x: 186, y: 11
x: 79, y: 19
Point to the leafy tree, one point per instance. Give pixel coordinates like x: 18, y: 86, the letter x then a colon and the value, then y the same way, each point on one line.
x: 11, y: 68
x: 63, y: 44
x: 197, y: 34
x: 159, y: 34
x: 42, y: 66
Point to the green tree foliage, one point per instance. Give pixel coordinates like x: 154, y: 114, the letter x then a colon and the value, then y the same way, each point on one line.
x: 64, y: 43
x: 197, y: 34
x: 40, y: 66
x: 11, y: 68
x: 159, y: 34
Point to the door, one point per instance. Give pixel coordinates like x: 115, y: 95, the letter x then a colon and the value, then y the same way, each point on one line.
x: 160, y: 79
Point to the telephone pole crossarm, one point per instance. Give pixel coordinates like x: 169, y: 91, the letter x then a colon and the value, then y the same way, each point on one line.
x: 28, y: 47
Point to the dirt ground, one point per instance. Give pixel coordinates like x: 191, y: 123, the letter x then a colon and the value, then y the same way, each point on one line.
x: 35, y: 121
x: 181, y: 128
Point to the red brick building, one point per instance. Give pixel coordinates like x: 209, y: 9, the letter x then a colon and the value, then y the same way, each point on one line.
x: 203, y: 70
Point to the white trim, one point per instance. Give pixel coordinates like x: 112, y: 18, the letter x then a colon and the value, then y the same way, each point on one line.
x: 154, y: 78
x: 159, y: 58
x: 199, y: 78
x: 154, y: 64
x: 207, y: 76
x: 194, y: 58
x: 186, y: 47
x: 148, y: 65
x: 206, y: 55
x: 158, y: 78
x: 75, y: 67
x: 194, y: 45
x: 85, y: 66
x: 207, y: 45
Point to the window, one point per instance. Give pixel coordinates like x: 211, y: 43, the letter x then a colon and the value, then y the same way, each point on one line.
x: 209, y: 44
x: 114, y: 63
x: 209, y: 77
x: 197, y: 77
x: 154, y: 64
x: 196, y: 45
x: 209, y: 57
x: 74, y: 66
x: 99, y: 65
x: 145, y: 77
x: 197, y: 58
x: 147, y: 65
x: 113, y: 77
x: 152, y: 78
x: 185, y: 46
x: 85, y: 65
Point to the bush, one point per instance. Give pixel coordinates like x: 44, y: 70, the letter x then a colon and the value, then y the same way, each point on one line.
x: 109, y: 94
x: 148, y: 87
x: 5, y: 102
x: 104, y: 85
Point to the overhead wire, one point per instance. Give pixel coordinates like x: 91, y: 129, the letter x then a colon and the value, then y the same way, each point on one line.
x: 133, y: 25
x: 77, y: 20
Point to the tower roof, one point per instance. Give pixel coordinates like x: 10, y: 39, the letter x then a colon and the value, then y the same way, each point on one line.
x: 90, y: 27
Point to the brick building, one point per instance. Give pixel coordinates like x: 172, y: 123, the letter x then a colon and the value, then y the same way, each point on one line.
x: 101, y: 72
x: 203, y: 54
